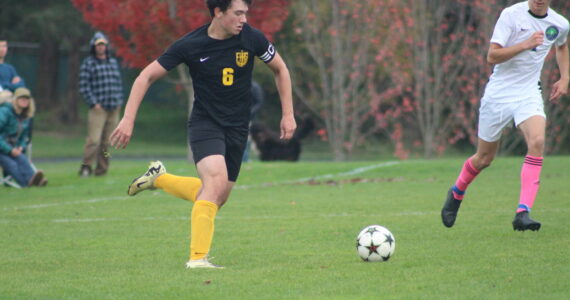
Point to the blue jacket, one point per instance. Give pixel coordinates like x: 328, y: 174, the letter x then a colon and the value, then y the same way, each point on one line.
x: 7, y: 73
x: 14, y: 130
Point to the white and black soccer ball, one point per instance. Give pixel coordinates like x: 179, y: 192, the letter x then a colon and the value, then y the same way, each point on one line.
x: 375, y: 243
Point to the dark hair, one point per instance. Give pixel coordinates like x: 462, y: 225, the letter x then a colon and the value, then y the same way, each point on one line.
x: 222, y: 4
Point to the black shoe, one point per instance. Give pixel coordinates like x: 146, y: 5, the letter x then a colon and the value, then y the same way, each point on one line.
x: 85, y: 171
x: 523, y: 222
x: 450, y: 208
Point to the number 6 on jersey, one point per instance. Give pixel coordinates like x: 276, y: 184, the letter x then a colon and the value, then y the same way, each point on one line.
x: 227, y: 76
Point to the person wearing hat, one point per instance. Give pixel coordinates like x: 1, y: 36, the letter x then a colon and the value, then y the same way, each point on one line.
x: 14, y: 138
x: 101, y: 86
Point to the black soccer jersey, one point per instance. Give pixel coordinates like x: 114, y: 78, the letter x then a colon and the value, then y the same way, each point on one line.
x: 221, y: 71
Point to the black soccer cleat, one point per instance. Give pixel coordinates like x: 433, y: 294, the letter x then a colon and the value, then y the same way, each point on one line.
x: 523, y: 222
x: 450, y: 208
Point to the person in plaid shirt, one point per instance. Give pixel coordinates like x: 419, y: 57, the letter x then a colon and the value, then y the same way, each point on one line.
x: 101, y: 86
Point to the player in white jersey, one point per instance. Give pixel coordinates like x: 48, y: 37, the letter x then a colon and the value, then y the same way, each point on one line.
x: 523, y: 37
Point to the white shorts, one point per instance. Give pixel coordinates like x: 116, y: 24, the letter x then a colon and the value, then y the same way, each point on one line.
x: 494, y: 117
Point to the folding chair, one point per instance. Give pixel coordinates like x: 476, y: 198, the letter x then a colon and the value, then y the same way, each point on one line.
x: 8, y: 180
x: 29, y: 154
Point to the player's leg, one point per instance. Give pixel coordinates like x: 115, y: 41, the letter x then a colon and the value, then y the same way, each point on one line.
x: 215, y: 189
x: 533, y: 130
x: 471, y: 168
x: 156, y: 177
x: 482, y: 159
x: 183, y: 187
x: 214, y: 175
x: 236, y: 143
x: 491, y: 124
x: 205, y: 139
x: 493, y: 118
x: 218, y: 174
x: 95, y: 124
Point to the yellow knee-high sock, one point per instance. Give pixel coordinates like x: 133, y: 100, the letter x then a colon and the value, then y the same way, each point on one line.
x: 186, y: 188
x: 202, y: 228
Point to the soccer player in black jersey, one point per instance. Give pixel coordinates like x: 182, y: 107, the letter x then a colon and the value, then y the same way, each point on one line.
x: 220, y: 58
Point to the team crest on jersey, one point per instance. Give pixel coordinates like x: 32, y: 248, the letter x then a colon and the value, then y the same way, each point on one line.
x: 241, y: 58
x: 552, y: 33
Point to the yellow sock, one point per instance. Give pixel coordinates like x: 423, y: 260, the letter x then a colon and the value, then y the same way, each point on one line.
x: 186, y: 188
x: 202, y: 228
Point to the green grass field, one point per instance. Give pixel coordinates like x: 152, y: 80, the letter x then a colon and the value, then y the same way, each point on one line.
x: 282, y: 236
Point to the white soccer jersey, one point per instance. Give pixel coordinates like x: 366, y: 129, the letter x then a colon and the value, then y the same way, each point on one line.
x: 517, y: 79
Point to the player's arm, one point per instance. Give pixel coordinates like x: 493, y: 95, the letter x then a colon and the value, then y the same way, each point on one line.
x: 122, y: 134
x: 498, y: 54
x: 560, y: 88
x: 283, y: 82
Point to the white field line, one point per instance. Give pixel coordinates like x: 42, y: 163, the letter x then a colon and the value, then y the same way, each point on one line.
x: 241, y: 187
x: 186, y: 218
x: 320, y: 177
x: 94, y: 200
x: 95, y: 220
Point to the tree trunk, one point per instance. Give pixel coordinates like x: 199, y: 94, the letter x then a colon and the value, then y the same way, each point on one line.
x: 429, y: 144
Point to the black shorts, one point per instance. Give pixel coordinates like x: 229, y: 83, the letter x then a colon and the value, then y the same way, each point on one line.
x: 209, y: 138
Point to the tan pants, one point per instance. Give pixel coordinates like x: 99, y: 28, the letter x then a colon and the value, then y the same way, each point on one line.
x: 100, y: 125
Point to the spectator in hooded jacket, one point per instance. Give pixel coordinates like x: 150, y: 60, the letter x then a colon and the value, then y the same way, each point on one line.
x: 101, y: 86
x: 15, y: 118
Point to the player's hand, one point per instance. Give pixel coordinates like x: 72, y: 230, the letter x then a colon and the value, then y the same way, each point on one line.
x: 122, y: 134
x: 16, y: 80
x: 535, y: 40
x: 288, y: 126
x: 559, y: 89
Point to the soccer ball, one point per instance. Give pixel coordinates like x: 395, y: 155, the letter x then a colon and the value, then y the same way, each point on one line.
x: 375, y: 243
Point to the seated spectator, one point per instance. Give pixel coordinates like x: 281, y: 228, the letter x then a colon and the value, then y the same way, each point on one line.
x: 9, y: 78
x: 14, y: 138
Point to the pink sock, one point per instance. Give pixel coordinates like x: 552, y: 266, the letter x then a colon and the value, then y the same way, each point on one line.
x: 530, y: 182
x: 468, y: 173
